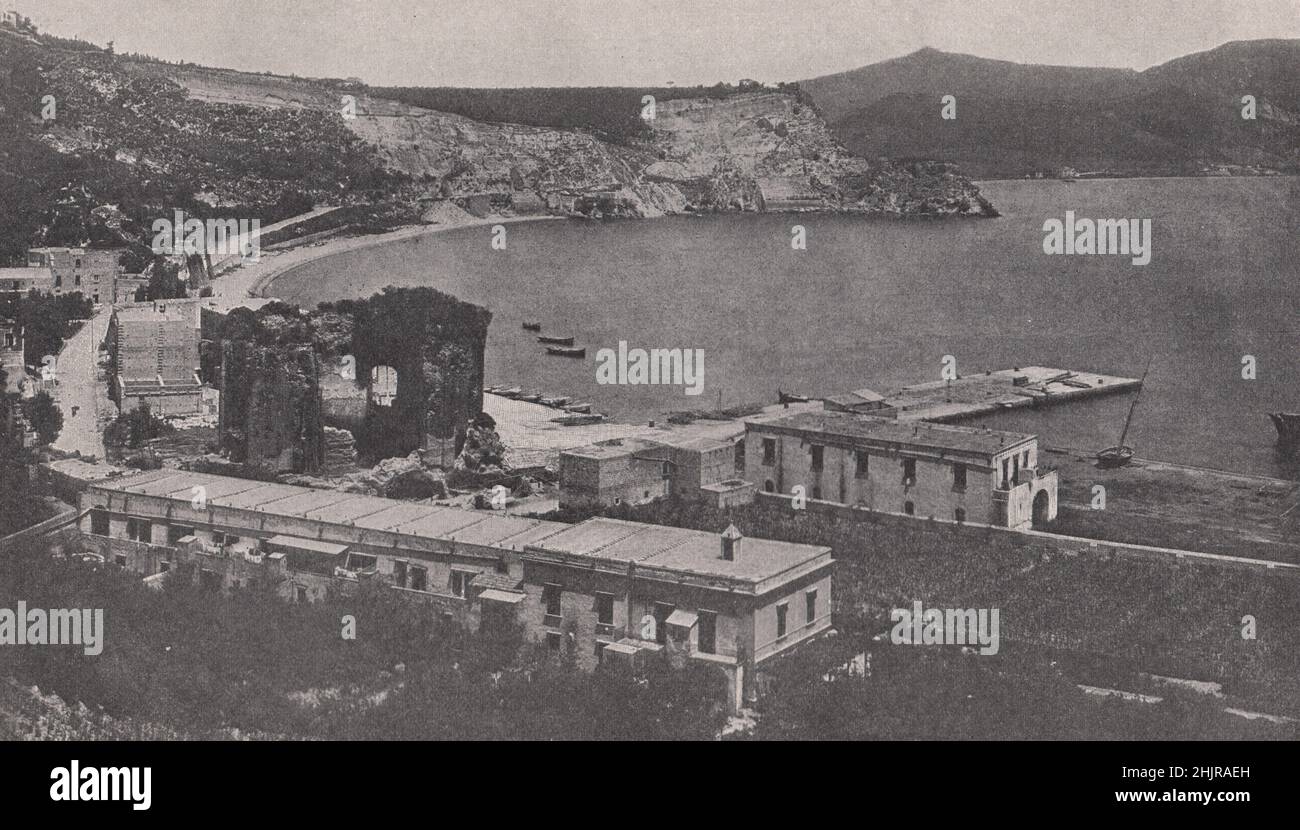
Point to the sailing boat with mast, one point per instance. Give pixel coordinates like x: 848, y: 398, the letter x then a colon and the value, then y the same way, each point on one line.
x: 1121, y: 453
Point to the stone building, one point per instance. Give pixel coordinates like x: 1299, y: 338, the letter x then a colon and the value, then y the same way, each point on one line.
x: 613, y: 590
x: 914, y: 468
x: 127, y: 285
x: 155, y: 356
x: 91, y: 271
x: 23, y: 280
x: 617, y: 471
x: 603, y: 585
x: 681, y: 464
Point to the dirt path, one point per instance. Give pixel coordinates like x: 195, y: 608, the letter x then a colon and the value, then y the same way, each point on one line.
x: 80, y: 390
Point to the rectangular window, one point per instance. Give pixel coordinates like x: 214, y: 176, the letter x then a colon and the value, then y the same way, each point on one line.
x: 959, y: 477
x: 460, y: 582
x: 769, y: 451
x: 810, y: 604
x: 781, y: 612
x: 604, y: 609
x: 361, y: 561
x: 99, y: 522
x: 708, y: 633
x: 399, y: 574
x: 419, y: 578
x: 139, y: 530
x: 553, y: 640
x: 860, y: 468
x: 551, y: 598
x: 817, y: 451
x: 909, y: 470
x: 119, y: 560
x: 175, y: 533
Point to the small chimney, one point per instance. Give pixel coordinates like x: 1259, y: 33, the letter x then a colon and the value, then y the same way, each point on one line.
x: 731, y: 543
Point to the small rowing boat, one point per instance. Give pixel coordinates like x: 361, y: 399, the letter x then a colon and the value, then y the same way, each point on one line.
x: 577, y: 420
x: 566, y: 351
x: 556, y: 341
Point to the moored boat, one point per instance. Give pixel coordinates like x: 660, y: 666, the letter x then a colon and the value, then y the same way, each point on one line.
x: 556, y: 341
x: 531, y: 397
x: 1114, y: 456
x: 566, y: 351
x: 532, y: 325
x: 510, y: 392
x: 790, y: 397
x: 1121, y: 453
x: 578, y: 408
x: 577, y: 420
x: 555, y: 403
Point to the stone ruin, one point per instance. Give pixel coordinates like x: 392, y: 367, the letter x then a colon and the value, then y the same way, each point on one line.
x: 286, y: 376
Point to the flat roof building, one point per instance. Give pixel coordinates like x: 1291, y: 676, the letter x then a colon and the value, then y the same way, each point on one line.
x: 91, y: 271
x: 915, y: 468
x: 23, y: 280
x: 727, y: 600
x: 155, y: 352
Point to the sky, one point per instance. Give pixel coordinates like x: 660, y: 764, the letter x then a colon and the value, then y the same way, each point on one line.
x: 514, y: 43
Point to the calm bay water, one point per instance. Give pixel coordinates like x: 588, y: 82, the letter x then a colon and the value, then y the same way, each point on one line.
x: 878, y: 303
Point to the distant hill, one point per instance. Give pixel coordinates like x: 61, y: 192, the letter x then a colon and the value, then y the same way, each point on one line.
x: 1180, y: 118
x: 134, y: 138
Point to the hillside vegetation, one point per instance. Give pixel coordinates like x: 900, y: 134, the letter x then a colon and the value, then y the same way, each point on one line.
x: 131, y: 139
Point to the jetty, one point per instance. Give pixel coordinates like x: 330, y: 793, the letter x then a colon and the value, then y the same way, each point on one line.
x: 969, y: 396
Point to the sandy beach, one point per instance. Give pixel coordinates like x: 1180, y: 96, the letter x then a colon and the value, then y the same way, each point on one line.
x: 250, y: 285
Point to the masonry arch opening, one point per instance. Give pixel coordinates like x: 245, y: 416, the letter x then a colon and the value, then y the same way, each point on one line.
x: 383, y: 385
x: 1042, y: 505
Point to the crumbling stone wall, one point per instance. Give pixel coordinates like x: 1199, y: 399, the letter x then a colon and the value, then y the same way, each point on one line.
x: 270, y: 406
x: 435, y: 342
x: 273, y: 362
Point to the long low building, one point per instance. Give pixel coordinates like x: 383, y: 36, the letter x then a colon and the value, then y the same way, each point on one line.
x: 603, y: 589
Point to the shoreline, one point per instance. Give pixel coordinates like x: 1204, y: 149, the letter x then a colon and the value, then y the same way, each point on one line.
x: 254, y: 280
x: 248, y: 285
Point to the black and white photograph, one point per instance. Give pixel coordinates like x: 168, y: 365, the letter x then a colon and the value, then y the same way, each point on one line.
x: 651, y: 371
